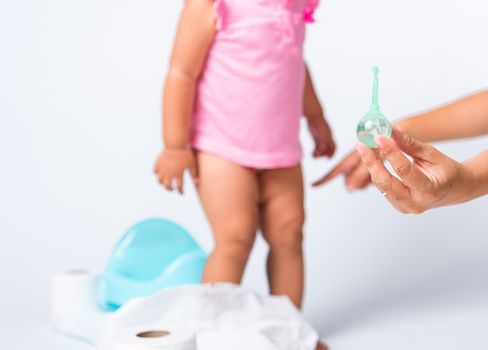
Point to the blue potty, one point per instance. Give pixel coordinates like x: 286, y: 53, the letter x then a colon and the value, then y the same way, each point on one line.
x: 153, y: 254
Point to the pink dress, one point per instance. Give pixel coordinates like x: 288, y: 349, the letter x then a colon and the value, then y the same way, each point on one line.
x: 249, y: 96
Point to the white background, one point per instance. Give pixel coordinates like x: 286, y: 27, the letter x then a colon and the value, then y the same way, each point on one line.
x: 80, y: 128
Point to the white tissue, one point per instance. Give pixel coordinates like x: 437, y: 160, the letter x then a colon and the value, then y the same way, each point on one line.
x: 223, y: 316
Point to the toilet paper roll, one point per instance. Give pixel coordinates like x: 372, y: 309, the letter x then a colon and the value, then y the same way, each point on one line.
x: 73, y: 291
x: 154, y: 338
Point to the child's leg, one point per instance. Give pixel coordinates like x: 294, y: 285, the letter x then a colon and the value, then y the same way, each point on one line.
x: 229, y: 196
x: 282, y: 217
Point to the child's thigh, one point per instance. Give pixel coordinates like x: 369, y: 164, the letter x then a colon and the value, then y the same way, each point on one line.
x: 229, y: 196
x: 282, y: 208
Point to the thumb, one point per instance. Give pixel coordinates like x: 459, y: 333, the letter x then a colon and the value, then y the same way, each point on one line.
x: 411, y: 146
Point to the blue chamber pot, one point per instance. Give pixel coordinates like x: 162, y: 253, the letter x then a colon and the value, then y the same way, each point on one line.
x: 154, y: 254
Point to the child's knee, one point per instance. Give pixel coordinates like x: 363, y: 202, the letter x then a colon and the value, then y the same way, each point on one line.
x: 235, y: 241
x: 286, y: 234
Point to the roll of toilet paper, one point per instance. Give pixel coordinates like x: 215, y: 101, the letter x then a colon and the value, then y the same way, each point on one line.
x: 73, y: 291
x: 154, y: 338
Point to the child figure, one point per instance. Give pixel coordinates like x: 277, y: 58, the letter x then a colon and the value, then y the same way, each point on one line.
x: 236, y: 88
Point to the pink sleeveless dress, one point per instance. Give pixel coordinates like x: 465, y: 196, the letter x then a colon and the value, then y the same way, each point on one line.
x: 249, y: 96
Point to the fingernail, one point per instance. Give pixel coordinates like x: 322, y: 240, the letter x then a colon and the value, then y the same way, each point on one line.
x: 380, y: 141
x: 361, y: 148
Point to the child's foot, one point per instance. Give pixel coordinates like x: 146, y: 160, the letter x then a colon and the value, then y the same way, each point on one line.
x: 322, y: 346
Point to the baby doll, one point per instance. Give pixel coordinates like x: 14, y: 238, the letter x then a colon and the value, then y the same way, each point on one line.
x: 235, y: 91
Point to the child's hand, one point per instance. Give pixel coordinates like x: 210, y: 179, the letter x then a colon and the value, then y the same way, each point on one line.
x: 171, y: 165
x: 322, y: 135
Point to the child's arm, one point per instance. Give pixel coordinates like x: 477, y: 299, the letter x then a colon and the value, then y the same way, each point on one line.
x: 320, y: 130
x: 467, y: 117
x: 311, y: 103
x: 194, y: 36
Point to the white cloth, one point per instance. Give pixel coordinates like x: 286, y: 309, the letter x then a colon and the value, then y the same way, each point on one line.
x: 224, y: 316
x: 85, y: 326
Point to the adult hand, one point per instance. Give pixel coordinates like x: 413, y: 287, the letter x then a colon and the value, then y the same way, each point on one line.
x: 355, y: 173
x: 431, y: 180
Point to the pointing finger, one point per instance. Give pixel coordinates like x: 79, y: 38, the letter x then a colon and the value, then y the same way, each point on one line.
x: 345, y: 166
x: 358, y: 178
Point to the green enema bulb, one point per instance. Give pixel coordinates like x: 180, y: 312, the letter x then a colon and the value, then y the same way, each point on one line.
x: 374, y: 123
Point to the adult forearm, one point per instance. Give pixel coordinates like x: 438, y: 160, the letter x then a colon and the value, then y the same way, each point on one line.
x: 464, y: 118
x: 179, y: 93
x: 478, y: 167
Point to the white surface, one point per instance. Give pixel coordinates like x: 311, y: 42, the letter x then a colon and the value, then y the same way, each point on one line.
x: 79, y: 130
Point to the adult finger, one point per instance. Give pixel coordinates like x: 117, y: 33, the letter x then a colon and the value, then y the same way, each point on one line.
x: 345, y: 166
x: 407, y: 172
x: 364, y: 184
x: 411, y: 146
x: 396, y: 193
x: 358, y: 178
x: 337, y: 170
x: 379, y: 174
